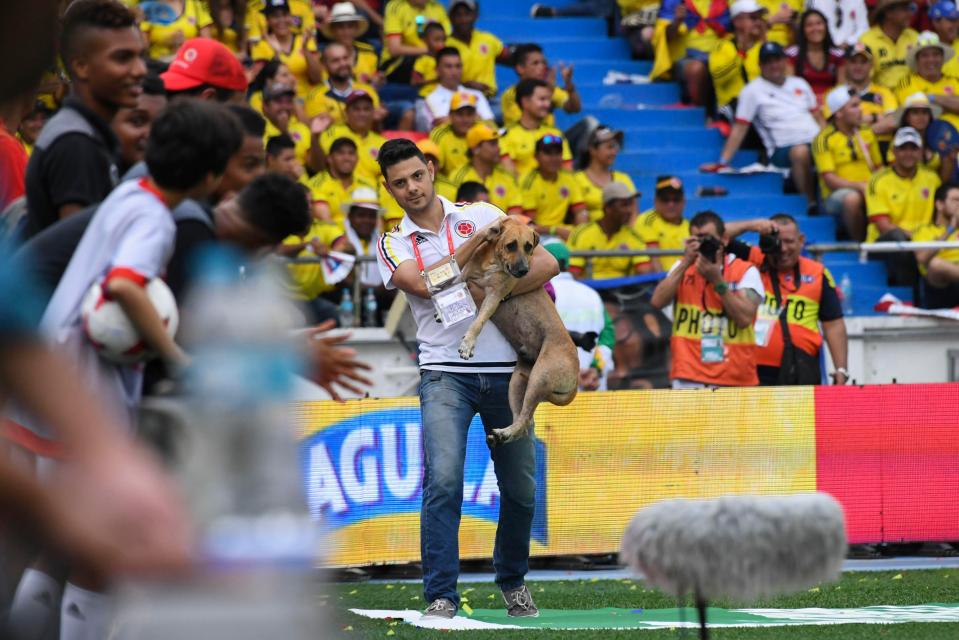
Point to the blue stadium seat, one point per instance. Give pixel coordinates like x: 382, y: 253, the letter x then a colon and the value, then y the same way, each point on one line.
x: 514, y: 30
x: 586, y: 70
x: 669, y: 160
x: 690, y: 137
x: 656, y: 93
x: 743, y: 206
x: 624, y: 119
x: 569, y: 50
x: 760, y: 184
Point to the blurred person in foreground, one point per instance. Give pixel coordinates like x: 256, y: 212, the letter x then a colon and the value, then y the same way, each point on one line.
x: 663, y: 226
x: 610, y: 232
x: 585, y: 317
x: 715, y: 298
x: 801, y: 296
x: 74, y: 162
x: 939, y: 268
x: 899, y: 200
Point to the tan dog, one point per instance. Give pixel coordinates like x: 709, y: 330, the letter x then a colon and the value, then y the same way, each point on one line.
x: 547, y: 366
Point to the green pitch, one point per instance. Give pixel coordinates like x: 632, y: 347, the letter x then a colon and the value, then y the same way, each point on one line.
x: 626, y: 598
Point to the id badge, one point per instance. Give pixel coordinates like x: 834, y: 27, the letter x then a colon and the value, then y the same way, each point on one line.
x: 765, y: 321
x: 454, y: 304
x: 441, y: 275
x: 712, y: 348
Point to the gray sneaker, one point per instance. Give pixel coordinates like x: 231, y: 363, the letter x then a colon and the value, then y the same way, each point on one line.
x: 519, y: 603
x: 440, y: 608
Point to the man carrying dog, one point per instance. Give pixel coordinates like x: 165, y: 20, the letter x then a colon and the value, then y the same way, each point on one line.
x: 433, y: 237
x: 715, y: 297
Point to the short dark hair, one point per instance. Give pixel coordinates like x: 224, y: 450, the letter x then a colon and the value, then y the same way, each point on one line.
x: 396, y: 151
x: 703, y: 218
x: 433, y: 26
x: 278, y: 144
x: 189, y: 140
x: 942, y: 192
x: 469, y: 191
x: 276, y: 205
x: 784, y: 218
x: 84, y: 15
x: 523, y: 51
x: 220, y: 94
x: 526, y: 88
x: 339, y: 143
x: 267, y: 72
x: 254, y: 125
x: 153, y: 85
x: 447, y: 52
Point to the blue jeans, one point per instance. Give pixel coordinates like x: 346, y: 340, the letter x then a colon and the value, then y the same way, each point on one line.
x: 448, y: 402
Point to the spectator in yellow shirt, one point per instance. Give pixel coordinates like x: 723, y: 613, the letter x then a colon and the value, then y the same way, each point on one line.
x: 275, y: 72
x: 480, y: 50
x: 878, y: 104
x: 551, y: 195
x: 944, y: 17
x: 330, y: 96
x: 611, y: 232
x: 193, y: 20
x: 484, y: 167
x: 450, y: 138
x: 604, y: 146
x: 917, y: 112
x: 278, y: 111
x: 925, y: 61
x: 783, y: 18
x: 424, y: 69
x: 846, y: 154
x: 403, y: 21
x: 663, y: 226
x: 359, y: 128
x: 735, y: 61
x: 889, y: 39
x: 296, y: 51
x: 689, y: 29
x: 330, y: 189
x: 899, y: 200
x: 940, y: 267
x: 302, y: 17
x: 344, y: 26
x: 518, y: 144
x: 530, y: 64
x: 281, y: 157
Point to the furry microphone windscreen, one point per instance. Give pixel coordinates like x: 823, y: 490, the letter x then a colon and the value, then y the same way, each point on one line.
x: 737, y: 547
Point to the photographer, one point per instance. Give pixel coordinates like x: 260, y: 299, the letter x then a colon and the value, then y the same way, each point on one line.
x: 715, y: 297
x: 800, y: 297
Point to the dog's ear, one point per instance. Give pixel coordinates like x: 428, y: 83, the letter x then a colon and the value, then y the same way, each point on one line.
x: 535, y: 239
x: 493, y: 230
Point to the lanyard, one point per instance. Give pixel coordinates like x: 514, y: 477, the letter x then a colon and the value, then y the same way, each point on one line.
x: 416, y: 249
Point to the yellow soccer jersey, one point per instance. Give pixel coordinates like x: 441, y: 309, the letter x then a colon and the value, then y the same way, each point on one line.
x: 295, y: 60
x: 548, y: 202
x: 876, y: 101
x: 945, y: 86
x: 502, y: 187
x: 731, y: 70
x: 591, y: 237
x: 393, y: 213
x: 951, y: 67
x: 519, y: 144
x: 307, y: 279
x: 512, y: 112
x: 425, y: 66
x: 479, y: 58
x: 165, y: 39
x: 855, y: 158
x: 300, y: 134
x: 367, y: 148
x: 452, y: 147
x: 931, y: 232
x: 593, y: 195
x: 908, y: 202
x: 781, y: 33
x: 334, y: 194
x: 300, y: 10
x: 400, y: 19
x: 365, y: 62
x: 321, y: 99
x: 657, y: 232
x: 889, y: 57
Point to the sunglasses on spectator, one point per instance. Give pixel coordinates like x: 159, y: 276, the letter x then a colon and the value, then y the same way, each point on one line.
x: 673, y: 199
x: 550, y: 139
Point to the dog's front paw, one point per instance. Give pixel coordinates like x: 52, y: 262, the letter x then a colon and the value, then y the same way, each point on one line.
x: 466, y: 349
x: 507, y: 435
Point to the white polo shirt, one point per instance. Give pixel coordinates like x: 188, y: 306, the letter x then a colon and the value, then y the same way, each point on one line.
x: 437, y: 104
x: 782, y: 114
x: 438, y: 345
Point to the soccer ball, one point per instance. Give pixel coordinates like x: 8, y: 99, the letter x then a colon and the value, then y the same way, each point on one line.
x: 110, y: 331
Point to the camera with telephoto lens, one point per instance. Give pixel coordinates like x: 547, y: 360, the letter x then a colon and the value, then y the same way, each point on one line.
x: 770, y: 244
x: 708, y: 247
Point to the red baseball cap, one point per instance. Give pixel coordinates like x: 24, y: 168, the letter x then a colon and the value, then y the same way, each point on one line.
x: 204, y: 61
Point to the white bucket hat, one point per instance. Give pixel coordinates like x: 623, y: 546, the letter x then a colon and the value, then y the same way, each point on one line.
x: 345, y: 12
x: 928, y: 40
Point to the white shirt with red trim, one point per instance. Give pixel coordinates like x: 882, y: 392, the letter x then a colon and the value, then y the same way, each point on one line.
x: 438, y: 345
x: 131, y: 236
x: 782, y: 114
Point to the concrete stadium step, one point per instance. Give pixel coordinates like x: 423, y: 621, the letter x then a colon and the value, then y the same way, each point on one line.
x: 869, y: 272
x: 657, y: 93
x: 758, y: 184
x: 569, y: 50
x: 749, y: 206
x: 628, y: 119
x: 586, y: 70
x: 530, y: 29
x: 507, y: 9
x: 866, y: 296
x: 692, y: 137
x: 674, y: 160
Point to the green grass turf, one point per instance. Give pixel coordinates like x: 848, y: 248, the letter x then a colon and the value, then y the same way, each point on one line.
x: 853, y: 590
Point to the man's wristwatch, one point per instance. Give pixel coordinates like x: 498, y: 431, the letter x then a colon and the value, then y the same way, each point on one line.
x: 840, y: 371
x: 722, y: 287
